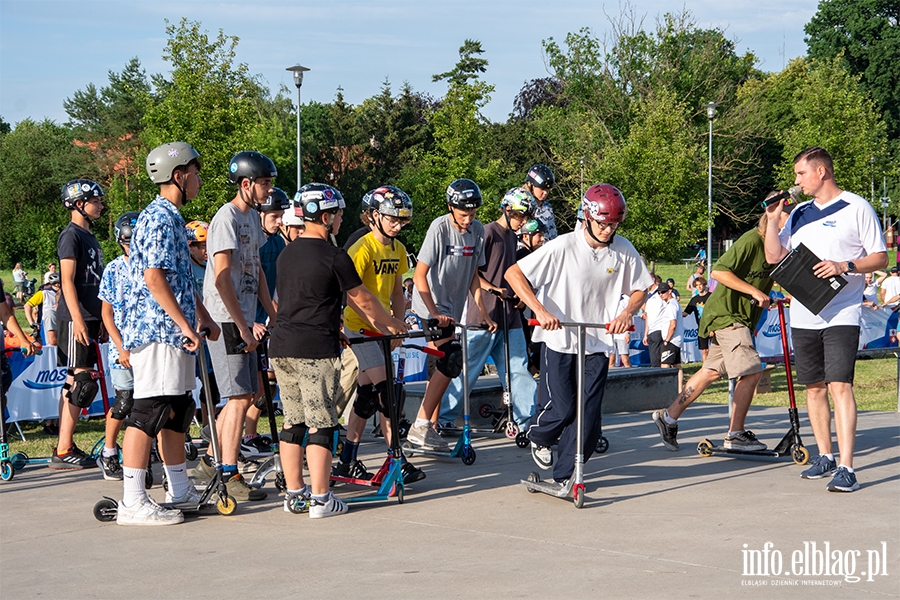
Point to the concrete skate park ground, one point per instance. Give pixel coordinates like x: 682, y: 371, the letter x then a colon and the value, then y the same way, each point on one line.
x: 655, y: 524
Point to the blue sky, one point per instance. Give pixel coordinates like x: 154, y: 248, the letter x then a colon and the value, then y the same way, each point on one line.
x: 50, y: 48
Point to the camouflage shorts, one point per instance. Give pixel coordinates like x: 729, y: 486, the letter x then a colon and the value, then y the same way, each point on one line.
x: 309, y: 388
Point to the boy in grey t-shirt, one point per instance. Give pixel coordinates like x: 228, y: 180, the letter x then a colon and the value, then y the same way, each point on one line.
x: 451, y: 253
x: 233, y: 283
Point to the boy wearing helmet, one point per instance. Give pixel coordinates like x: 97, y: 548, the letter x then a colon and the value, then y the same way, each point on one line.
x: 161, y: 310
x: 270, y: 219
x: 517, y: 206
x: 447, y: 268
x: 306, y: 345
x: 539, y: 181
x: 234, y: 283
x: 380, y: 261
x: 81, y: 265
x: 196, y: 235
x: 581, y: 278
x: 114, y: 288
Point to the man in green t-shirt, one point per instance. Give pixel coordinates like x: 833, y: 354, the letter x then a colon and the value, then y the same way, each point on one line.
x: 728, y: 319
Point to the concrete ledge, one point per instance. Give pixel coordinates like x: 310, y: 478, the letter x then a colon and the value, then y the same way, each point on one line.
x: 627, y: 390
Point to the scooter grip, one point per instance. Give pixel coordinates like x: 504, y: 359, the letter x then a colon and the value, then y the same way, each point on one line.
x: 370, y: 333
x: 204, y: 333
x: 431, y: 351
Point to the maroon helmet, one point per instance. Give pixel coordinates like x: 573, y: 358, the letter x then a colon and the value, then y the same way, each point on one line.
x: 603, y: 203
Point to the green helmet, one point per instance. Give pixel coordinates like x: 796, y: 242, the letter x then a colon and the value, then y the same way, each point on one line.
x: 532, y: 226
x: 164, y: 159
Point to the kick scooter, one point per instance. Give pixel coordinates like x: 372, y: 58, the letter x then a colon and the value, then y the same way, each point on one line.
x: 273, y: 463
x: 9, y: 464
x: 463, y: 449
x: 790, y: 444
x: 575, y: 484
x: 106, y: 509
x: 503, y: 418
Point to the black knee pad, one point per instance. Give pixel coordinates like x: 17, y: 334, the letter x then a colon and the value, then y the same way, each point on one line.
x: 327, y: 437
x: 150, y: 414
x: 260, y: 402
x: 183, y: 408
x: 451, y: 363
x: 83, y: 390
x: 366, y: 400
x: 295, y: 434
x: 121, y: 408
x: 383, y: 407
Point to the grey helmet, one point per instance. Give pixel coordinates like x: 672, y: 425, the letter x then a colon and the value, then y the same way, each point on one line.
x: 125, y: 227
x: 163, y: 160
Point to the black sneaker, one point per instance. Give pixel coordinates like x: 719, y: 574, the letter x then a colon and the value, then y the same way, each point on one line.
x: 411, y: 473
x: 744, y: 440
x: 73, y: 460
x: 258, y: 446
x: 110, y: 467
x: 354, y: 469
x: 667, y: 432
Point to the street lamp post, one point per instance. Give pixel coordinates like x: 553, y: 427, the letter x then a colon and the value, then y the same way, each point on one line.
x: 710, y: 114
x: 298, y: 81
x: 872, y: 162
x: 885, y: 200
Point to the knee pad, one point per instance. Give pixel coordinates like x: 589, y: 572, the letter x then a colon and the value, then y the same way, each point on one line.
x: 83, y: 390
x: 183, y: 408
x: 451, y: 363
x: 122, y: 406
x: 260, y: 402
x: 366, y: 401
x: 150, y: 414
x: 327, y: 437
x: 383, y: 407
x: 295, y: 434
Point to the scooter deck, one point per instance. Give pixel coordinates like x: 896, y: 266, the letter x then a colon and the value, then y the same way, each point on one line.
x: 391, y: 486
x: 534, y: 484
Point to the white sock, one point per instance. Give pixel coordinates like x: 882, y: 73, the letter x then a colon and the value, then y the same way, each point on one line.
x: 422, y: 422
x: 135, y: 492
x: 829, y: 456
x: 669, y: 420
x: 734, y: 433
x: 849, y: 469
x: 179, y: 483
x: 107, y: 452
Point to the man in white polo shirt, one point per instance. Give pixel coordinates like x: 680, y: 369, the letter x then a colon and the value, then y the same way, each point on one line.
x: 890, y: 289
x: 842, y: 229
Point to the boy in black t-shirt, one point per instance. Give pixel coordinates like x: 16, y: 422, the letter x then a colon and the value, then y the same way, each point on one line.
x: 79, y: 315
x: 695, y: 306
x: 306, y: 344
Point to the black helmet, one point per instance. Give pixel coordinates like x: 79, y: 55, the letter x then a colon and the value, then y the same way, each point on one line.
x: 125, y: 227
x: 250, y: 165
x: 464, y: 194
x: 79, y: 190
x: 313, y: 199
x: 540, y: 176
x: 276, y: 201
x: 392, y: 201
x: 368, y: 201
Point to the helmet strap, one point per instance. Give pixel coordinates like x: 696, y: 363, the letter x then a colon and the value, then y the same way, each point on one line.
x: 590, y: 230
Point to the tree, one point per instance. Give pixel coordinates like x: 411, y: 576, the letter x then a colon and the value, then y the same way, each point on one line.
x: 468, y: 67
x: 865, y: 35
x: 36, y: 159
x: 208, y: 101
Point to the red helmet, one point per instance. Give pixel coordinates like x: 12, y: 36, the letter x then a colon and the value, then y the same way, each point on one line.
x: 603, y: 203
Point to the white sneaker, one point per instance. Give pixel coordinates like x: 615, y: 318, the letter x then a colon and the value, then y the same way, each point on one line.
x: 332, y: 507
x: 426, y: 437
x: 147, y: 513
x: 191, y: 496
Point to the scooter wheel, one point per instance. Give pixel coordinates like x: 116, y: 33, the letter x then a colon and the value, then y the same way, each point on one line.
x: 400, y: 494
x: 704, y: 448
x: 511, y: 430
x: 602, y: 445
x: 403, y: 429
x: 105, y: 510
x: 226, y: 505
x: 339, y: 449
x: 280, y: 485
x: 148, y: 479
x: 533, y: 477
x: 485, y: 411
x: 190, y: 451
x: 98, y: 447
x: 521, y: 440
x: 579, y: 495
x: 298, y: 505
x: 800, y: 455
x: 19, y: 460
x: 468, y: 455
x: 7, y: 471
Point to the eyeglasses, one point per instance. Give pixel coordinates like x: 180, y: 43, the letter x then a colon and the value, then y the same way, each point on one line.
x: 603, y: 226
x: 394, y: 221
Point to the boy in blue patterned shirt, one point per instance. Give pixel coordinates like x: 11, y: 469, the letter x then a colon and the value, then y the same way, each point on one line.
x: 113, y: 291
x: 161, y: 308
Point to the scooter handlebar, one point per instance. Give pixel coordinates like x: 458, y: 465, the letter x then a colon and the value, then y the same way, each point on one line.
x: 38, y: 350
x: 536, y: 323
x: 203, y: 333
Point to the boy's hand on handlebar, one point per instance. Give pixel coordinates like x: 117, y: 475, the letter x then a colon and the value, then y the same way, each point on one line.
x: 620, y: 324
x: 211, y: 326
x: 259, y: 331
x: 444, y: 320
x: 191, y: 340
x: 548, y: 321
